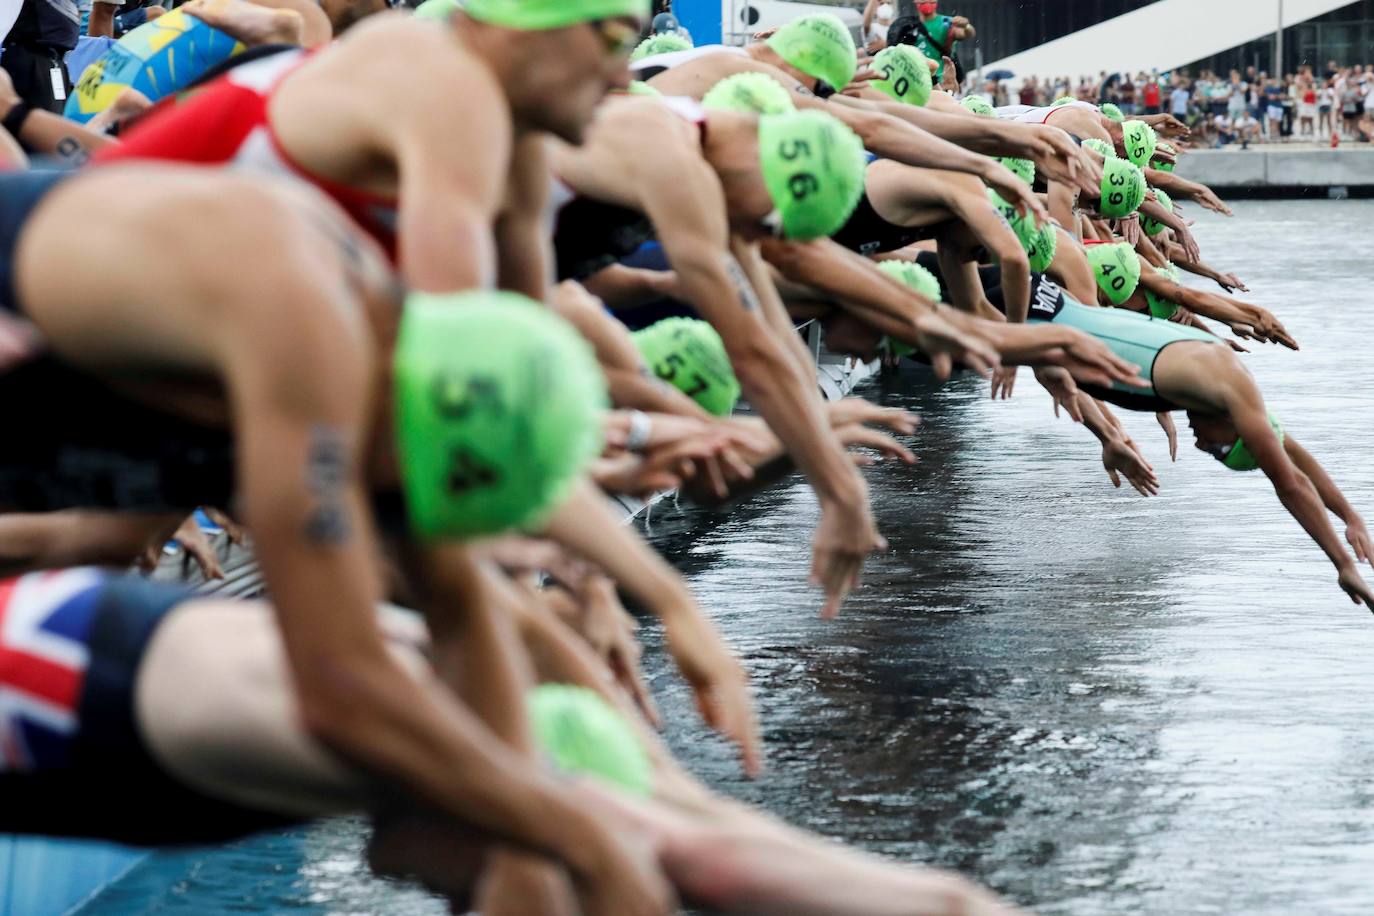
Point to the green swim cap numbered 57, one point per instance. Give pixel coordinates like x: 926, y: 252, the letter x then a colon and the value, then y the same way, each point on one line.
x: 906, y: 75
x: 689, y: 354
x: 1117, y: 268
x: 813, y: 166
x: 751, y: 93
x: 820, y: 46
x: 537, y: 15
x: 586, y: 736
x: 1123, y: 188
x: 498, y: 407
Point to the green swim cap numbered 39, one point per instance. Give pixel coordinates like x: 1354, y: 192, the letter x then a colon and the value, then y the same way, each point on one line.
x: 498, y: 407
x: 1154, y: 227
x: 820, y: 46
x: 979, y: 105
x: 659, y: 44
x: 1239, y: 458
x: 1113, y: 112
x: 586, y: 736
x: 1039, y: 242
x: 1123, y: 188
x: 1117, y: 268
x: 751, y: 93
x: 906, y: 76
x: 1160, y: 307
x: 813, y: 167
x: 1139, y: 140
x: 911, y: 274
x: 537, y: 15
x: 1102, y: 147
x: 689, y: 354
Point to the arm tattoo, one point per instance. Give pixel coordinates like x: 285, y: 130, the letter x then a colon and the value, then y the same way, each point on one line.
x: 71, y: 150
x: 743, y: 288
x: 327, y: 472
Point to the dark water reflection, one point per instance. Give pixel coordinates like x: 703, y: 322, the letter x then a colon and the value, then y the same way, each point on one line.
x: 1094, y: 702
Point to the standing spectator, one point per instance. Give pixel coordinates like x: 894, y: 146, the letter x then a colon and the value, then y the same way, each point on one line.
x: 1289, y: 101
x: 1178, y: 100
x: 1152, y: 96
x: 1307, y: 104
x: 43, y: 33
x: 878, y: 18
x: 1127, y: 91
x: 1326, y: 103
x: 1237, y: 97
x: 1029, y: 93
x: 1351, y: 95
x: 1272, y: 101
x: 934, y: 35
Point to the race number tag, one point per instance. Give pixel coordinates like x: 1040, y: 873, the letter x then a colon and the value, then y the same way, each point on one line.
x: 59, y: 86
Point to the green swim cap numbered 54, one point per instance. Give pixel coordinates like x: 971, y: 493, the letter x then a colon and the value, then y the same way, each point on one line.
x: 1117, y: 268
x: 1123, y: 188
x: 820, y: 46
x: 906, y: 75
x: 813, y: 166
x: 584, y: 735
x: 689, y: 354
x: 498, y: 407
x: 751, y: 93
x: 537, y: 15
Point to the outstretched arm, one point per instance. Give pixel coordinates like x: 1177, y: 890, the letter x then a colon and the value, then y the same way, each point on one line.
x: 1332, y: 497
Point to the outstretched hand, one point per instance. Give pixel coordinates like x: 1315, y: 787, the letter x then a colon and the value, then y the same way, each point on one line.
x: 1359, y: 539
x: 1120, y: 457
x: 845, y: 537
x: 1166, y: 422
x: 1355, y: 586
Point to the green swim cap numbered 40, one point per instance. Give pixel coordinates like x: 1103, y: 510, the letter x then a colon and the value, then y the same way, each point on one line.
x: 1123, y: 188
x: 689, y: 354
x: 498, y: 407
x: 820, y: 46
x: 813, y: 166
x: 538, y: 15
x: 906, y: 75
x: 750, y: 93
x: 1240, y: 458
x: 1117, y: 268
x: 584, y: 735
x: 1139, y: 140
x: 659, y: 44
x: 1039, y: 242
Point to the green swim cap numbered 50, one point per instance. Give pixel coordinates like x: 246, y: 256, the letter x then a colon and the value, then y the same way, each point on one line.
x: 751, y: 93
x: 689, y: 354
x: 813, y: 167
x: 659, y: 44
x: 906, y: 75
x: 537, y: 15
x: 1239, y: 458
x: 1117, y: 268
x: 1139, y: 140
x: 1123, y: 188
x: 498, y: 408
x: 586, y: 736
x: 820, y: 46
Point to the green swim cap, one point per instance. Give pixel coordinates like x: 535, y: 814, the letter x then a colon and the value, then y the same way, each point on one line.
x: 584, y: 734
x: 813, y: 166
x: 1113, y: 112
x: 820, y: 46
x: 1021, y: 168
x: 1100, y: 146
x: 689, y: 354
x: 1240, y: 459
x: 537, y: 15
x: 659, y: 44
x: 1139, y: 140
x: 906, y: 75
x: 1039, y: 242
x: 751, y: 93
x: 1123, y: 188
x: 437, y: 9
x: 1154, y: 227
x: 639, y: 87
x: 1063, y: 100
x: 498, y: 408
x: 979, y: 105
x: 1160, y: 164
x: 1159, y: 306
x: 1117, y: 268
x: 914, y: 276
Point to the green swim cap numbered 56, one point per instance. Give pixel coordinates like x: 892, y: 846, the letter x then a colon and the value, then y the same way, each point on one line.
x: 1139, y: 140
x: 586, y: 736
x: 538, y: 15
x: 813, y: 166
x: 1239, y: 458
x: 498, y: 407
x: 1123, y: 188
x: 751, y: 93
x: 820, y: 46
x: 689, y: 354
x: 1117, y: 268
x: 659, y: 44
x: 906, y: 75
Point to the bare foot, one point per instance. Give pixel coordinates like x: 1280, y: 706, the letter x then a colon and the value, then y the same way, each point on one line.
x: 253, y: 25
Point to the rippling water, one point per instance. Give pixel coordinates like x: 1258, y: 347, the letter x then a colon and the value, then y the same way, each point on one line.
x: 1094, y: 702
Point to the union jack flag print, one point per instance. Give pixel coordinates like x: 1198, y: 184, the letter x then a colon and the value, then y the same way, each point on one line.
x: 44, y: 618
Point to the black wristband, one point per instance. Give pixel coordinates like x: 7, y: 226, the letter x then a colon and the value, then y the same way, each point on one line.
x: 14, y: 120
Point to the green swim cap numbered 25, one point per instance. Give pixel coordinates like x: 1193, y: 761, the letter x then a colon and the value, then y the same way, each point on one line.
x: 979, y: 105
x: 1239, y: 458
x: 906, y: 75
x: 1139, y: 140
x: 1154, y: 227
x: 689, y: 354
x: 538, y: 15
x: 498, y: 407
x: 1039, y: 242
x: 1113, y: 112
x: 1117, y: 268
x: 813, y: 166
x: 820, y: 46
x: 659, y: 44
x: 584, y: 735
x: 1123, y: 188
x: 1102, y: 147
x: 751, y: 93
